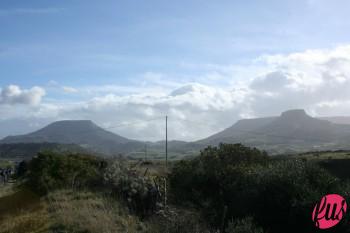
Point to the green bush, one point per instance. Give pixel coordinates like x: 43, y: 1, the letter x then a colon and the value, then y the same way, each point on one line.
x: 279, y: 194
x: 178, y: 221
x: 245, y: 225
x: 196, y: 179
x: 140, y: 192
x: 49, y: 171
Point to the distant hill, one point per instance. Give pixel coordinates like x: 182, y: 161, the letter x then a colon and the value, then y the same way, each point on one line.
x: 22, y: 151
x: 337, y: 120
x: 293, y: 131
x: 82, y: 132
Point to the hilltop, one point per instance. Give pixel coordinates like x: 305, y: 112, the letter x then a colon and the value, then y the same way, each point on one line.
x: 84, y: 133
x: 292, y: 131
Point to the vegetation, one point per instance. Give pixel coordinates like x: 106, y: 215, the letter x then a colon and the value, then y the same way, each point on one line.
x: 21, y: 151
x: 336, y: 162
x: 236, y: 182
x: 49, y: 171
x: 226, y: 189
x: 140, y: 192
x: 245, y: 225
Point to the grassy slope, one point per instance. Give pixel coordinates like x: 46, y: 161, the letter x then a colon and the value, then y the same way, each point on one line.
x: 320, y: 156
x: 64, y: 211
x: 336, y: 162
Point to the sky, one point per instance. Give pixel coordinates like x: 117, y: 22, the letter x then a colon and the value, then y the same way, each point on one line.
x: 205, y: 64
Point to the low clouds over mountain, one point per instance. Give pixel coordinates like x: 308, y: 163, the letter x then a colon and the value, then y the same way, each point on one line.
x: 315, y: 80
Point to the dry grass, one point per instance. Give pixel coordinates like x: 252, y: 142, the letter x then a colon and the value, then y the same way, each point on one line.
x: 21, y: 212
x: 6, y: 190
x: 25, y: 222
x: 87, y: 212
x: 64, y: 211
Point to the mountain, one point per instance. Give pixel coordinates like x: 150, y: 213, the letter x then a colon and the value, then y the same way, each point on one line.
x: 345, y: 120
x: 23, y: 151
x: 81, y: 132
x: 293, y: 130
x: 242, y: 127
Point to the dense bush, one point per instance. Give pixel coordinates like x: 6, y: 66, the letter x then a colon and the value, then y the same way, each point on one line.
x: 245, y: 225
x: 141, y: 192
x: 173, y: 220
x: 233, y: 182
x: 50, y: 171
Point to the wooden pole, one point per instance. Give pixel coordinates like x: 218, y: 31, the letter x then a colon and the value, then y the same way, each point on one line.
x: 166, y: 141
x: 145, y: 152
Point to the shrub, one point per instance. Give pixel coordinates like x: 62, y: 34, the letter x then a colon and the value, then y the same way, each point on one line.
x: 175, y: 220
x: 140, y: 192
x: 279, y: 194
x: 245, y: 225
x: 88, y: 212
x: 50, y: 171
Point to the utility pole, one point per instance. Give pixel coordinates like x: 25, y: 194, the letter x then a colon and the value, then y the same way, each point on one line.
x: 166, y: 141
x: 145, y: 152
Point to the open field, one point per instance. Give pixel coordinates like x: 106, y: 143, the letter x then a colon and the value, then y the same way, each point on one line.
x: 325, y: 155
x: 335, y: 162
x: 6, y: 163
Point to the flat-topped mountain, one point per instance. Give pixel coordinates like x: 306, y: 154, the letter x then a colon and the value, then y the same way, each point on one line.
x: 297, y: 125
x: 81, y: 132
x: 292, y: 130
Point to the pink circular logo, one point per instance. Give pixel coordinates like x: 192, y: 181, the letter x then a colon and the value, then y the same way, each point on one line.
x: 329, y: 211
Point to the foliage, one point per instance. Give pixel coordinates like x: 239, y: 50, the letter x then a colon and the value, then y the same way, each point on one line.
x: 22, y: 212
x: 22, y: 168
x: 278, y: 194
x: 88, y: 212
x: 175, y: 220
x: 141, y: 192
x: 213, y: 165
x: 245, y: 225
x: 50, y: 171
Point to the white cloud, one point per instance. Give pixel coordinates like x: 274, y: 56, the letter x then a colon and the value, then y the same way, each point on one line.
x: 69, y: 89
x: 305, y: 80
x: 13, y: 94
x: 316, y: 80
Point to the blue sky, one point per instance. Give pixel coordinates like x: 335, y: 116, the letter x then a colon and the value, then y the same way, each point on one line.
x: 78, y: 59
x: 89, y: 42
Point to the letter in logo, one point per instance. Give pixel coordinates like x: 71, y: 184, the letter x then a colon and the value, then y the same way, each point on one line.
x: 329, y: 211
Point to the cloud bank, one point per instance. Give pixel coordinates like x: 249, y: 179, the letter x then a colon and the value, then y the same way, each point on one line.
x: 316, y: 80
x: 13, y: 94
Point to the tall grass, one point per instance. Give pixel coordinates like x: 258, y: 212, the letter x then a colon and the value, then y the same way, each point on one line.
x: 21, y: 211
x: 65, y: 211
x: 72, y: 211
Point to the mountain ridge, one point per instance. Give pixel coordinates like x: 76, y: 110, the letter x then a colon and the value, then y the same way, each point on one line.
x: 84, y: 133
x: 293, y: 130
